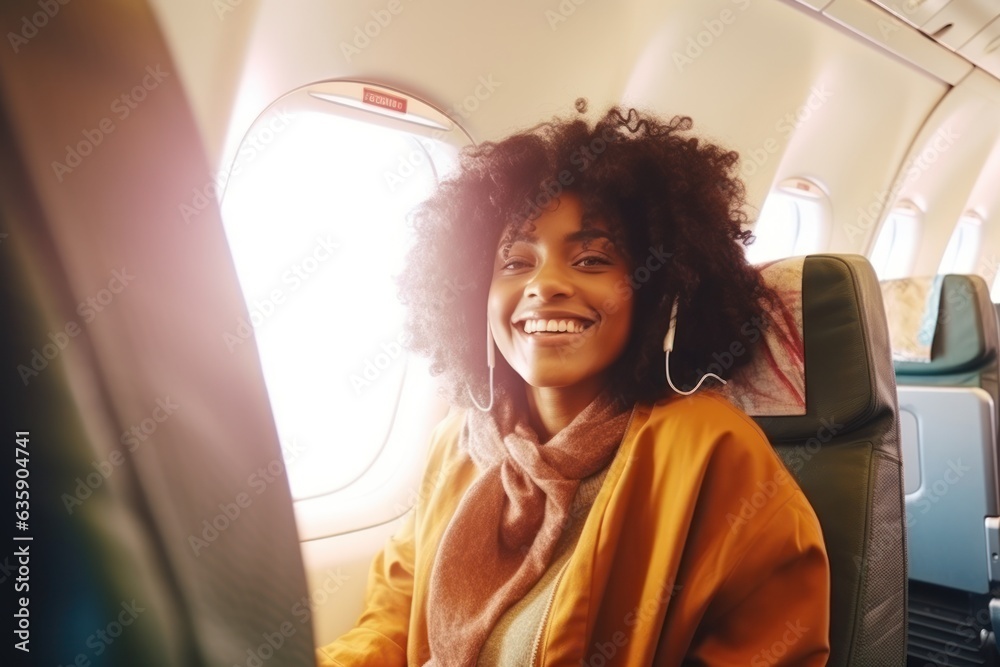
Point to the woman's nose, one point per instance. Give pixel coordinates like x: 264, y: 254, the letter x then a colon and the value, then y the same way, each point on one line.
x: 548, y: 282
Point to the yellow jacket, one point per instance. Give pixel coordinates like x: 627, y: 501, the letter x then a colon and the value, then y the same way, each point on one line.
x: 699, y: 550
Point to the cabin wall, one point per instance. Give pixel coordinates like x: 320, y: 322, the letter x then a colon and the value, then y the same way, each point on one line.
x: 784, y: 88
x: 954, y: 167
x: 209, y: 47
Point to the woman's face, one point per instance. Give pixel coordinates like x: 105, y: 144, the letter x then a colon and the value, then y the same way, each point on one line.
x: 560, y: 303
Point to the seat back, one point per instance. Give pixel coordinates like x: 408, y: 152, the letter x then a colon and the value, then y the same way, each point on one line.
x: 948, y: 413
x: 948, y: 409
x: 964, y: 348
x: 163, y: 526
x: 842, y: 446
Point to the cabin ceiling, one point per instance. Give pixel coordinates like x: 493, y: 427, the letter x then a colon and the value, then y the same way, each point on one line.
x: 740, y: 68
x: 237, y: 56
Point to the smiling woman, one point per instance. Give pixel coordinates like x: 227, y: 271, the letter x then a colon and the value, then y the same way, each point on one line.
x: 534, y: 544
x: 560, y: 308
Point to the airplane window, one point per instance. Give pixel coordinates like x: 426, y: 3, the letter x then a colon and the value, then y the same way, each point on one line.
x: 791, y: 222
x: 315, y: 212
x: 963, y: 248
x: 892, y: 255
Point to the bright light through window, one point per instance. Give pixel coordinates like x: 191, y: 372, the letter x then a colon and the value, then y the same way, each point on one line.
x: 316, y: 222
x: 791, y: 222
x: 963, y: 247
x: 894, y: 250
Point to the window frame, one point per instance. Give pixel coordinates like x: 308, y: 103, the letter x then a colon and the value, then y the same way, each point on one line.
x: 383, y: 490
x: 970, y: 220
x: 901, y: 210
x: 797, y: 192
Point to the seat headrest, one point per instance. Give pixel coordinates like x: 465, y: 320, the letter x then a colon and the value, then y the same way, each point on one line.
x: 965, y: 338
x: 911, y: 310
x: 774, y: 381
x: 849, y: 380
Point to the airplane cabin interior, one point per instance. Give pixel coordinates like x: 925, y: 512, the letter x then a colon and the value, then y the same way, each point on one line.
x: 215, y: 421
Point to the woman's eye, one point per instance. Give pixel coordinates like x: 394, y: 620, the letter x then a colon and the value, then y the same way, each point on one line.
x: 514, y: 264
x: 592, y: 261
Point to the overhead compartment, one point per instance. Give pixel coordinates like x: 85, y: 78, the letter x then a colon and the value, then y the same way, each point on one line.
x: 872, y: 22
x: 960, y: 21
x: 915, y: 12
x: 966, y: 32
x: 984, y: 48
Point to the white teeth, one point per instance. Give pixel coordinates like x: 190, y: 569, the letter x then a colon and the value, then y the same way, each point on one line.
x: 555, y: 326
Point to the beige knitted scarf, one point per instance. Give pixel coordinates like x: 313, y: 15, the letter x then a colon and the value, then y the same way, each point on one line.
x: 503, y: 534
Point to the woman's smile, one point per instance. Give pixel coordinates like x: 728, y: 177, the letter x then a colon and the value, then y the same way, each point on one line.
x: 545, y: 326
x: 554, y: 332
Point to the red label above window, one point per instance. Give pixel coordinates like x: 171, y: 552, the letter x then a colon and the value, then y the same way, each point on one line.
x: 384, y: 100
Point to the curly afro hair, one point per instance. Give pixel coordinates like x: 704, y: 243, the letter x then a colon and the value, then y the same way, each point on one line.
x: 662, y: 192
